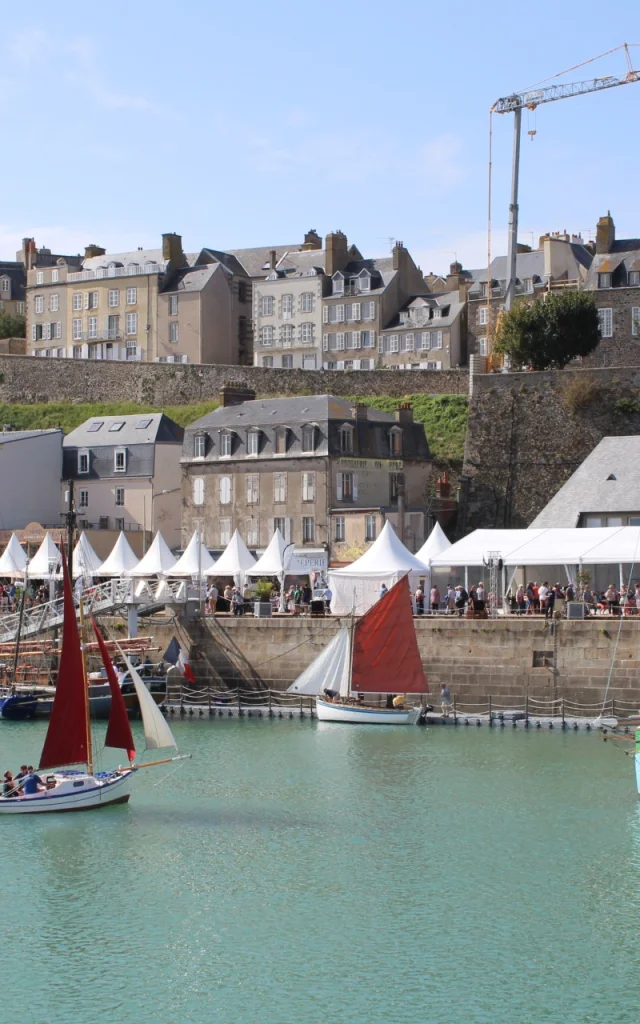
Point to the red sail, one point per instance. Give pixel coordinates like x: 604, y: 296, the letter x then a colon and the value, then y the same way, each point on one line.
x: 385, y: 648
x: 66, y: 740
x: 119, y: 729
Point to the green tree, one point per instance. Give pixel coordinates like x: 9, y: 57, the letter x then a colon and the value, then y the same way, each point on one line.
x: 12, y: 326
x: 550, y: 332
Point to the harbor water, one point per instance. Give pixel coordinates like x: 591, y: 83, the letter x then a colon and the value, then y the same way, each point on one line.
x: 297, y: 872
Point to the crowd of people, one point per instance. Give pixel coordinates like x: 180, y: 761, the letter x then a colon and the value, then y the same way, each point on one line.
x: 237, y: 601
x: 26, y: 782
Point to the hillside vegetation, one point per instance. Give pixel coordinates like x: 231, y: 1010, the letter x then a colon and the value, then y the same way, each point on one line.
x: 444, y: 417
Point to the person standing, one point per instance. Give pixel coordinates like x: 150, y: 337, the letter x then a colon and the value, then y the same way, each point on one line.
x: 419, y: 596
x: 520, y: 600
x: 383, y: 591
x: 445, y: 700
x: 212, y: 599
x: 327, y: 594
x: 435, y: 598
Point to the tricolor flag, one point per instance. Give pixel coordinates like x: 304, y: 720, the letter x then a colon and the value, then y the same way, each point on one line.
x: 176, y: 656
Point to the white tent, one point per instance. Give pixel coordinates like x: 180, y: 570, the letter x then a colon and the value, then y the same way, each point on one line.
x: 121, y: 559
x: 357, y: 586
x: 234, y: 561
x: 85, y: 561
x: 13, y: 560
x: 435, y: 544
x: 46, y: 561
x: 473, y: 549
x: 193, y: 562
x: 158, y: 560
x: 272, y: 560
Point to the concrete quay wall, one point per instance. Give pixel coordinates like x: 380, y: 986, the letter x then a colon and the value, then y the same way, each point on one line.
x: 477, y: 658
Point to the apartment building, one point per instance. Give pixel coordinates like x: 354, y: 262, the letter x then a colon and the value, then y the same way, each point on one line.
x: 12, y: 287
x: 427, y: 334
x: 326, y: 473
x: 614, y: 280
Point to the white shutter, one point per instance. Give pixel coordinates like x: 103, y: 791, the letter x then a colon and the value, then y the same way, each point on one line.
x: 341, y: 364
x: 225, y: 490
x: 339, y: 486
x: 138, y: 353
x: 355, y: 486
x: 356, y: 311
x: 356, y: 364
x: 357, y: 339
x: 115, y: 351
x: 86, y: 300
x: 33, y: 332
x: 271, y: 528
x: 380, y: 344
x: 325, y: 366
x: 84, y: 351
x: 325, y: 315
x: 288, y: 523
x: 325, y: 342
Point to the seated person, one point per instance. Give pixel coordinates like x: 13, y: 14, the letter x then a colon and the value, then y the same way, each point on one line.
x: 32, y: 783
x: 329, y: 694
x: 9, y: 787
x: 398, y: 702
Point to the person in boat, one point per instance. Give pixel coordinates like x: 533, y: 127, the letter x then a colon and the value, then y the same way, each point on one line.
x: 398, y: 701
x: 9, y: 786
x: 22, y: 774
x: 32, y: 783
x: 330, y: 694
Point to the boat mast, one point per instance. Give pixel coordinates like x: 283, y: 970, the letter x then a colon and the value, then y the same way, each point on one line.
x: 352, y: 629
x: 83, y: 648
x: 19, y: 633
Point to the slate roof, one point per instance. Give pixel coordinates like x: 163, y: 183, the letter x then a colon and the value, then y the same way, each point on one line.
x: 16, y: 271
x: 528, y: 265
x: 158, y: 429
x: 624, y: 257
x: 192, y: 279
x: 448, y: 302
x: 7, y: 436
x: 296, y: 263
x: 590, y: 490
x: 253, y: 260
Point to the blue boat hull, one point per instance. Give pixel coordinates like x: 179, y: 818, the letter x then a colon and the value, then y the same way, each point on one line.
x: 19, y: 707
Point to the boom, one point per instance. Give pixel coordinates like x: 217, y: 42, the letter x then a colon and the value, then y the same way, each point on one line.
x: 533, y: 99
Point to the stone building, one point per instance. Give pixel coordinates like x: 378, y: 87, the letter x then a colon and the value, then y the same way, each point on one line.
x: 614, y: 280
x: 12, y: 287
x: 126, y: 472
x: 325, y: 472
x: 429, y: 333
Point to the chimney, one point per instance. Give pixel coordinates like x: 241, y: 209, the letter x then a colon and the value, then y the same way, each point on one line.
x: 443, y: 487
x: 312, y: 240
x: 172, y: 251
x: 453, y: 277
x: 521, y: 247
x: 605, y: 234
x: 399, y: 256
x: 93, y: 250
x: 236, y: 394
x: 360, y: 411
x: 336, y: 252
x: 273, y: 259
x: 404, y: 413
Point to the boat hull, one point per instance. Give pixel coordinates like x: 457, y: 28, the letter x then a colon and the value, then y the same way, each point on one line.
x: 355, y: 714
x: 74, y: 791
x: 19, y: 707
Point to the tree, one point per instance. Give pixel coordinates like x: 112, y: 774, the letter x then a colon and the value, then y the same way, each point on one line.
x: 12, y: 326
x: 549, y: 332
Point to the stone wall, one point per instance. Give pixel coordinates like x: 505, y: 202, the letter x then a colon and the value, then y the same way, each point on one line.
x: 477, y: 658
x: 528, y: 432
x: 28, y: 380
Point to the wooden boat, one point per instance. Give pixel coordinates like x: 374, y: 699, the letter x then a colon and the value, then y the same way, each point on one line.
x: 100, y: 693
x: 378, y: 654
x: 69, y: 743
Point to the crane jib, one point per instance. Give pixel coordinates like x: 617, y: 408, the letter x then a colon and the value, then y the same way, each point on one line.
x: 532, y: 99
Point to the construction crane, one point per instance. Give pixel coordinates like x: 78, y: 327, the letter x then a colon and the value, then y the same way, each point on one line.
x: 529, y: 100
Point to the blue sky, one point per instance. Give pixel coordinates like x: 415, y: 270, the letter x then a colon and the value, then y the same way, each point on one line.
x: 239, y: 124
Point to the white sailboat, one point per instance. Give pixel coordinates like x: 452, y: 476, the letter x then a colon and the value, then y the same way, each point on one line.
x: 378, y: 654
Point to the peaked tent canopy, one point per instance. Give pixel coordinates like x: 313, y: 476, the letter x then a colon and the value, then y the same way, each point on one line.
x: 158, y: 560
x: 356, y: 587
x: 85, y: 561
x: 435, y: 544
x: 271, y: 562
x: 13, y: 561
x: 121, y: 559
x: 606, y: 545
x: 234, y: 561
x: 46, y: 561
x: 193, y: 561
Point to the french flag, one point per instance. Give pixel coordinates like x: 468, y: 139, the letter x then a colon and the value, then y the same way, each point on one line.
x: 174, y: 655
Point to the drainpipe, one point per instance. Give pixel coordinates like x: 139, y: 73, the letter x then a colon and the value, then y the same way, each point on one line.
x: 401, y: 506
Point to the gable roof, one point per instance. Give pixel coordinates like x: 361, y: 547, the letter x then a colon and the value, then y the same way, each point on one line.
x: 254, y: 260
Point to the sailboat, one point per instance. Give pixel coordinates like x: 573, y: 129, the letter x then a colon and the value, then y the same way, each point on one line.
x: 69, y: 744
x: 378, y: 654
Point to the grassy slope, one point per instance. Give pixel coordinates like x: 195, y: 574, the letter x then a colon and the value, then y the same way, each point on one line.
x: 444, y: 417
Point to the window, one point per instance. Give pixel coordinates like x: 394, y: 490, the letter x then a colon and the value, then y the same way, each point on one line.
x: 338, y: 528
x: 281, y: 441
x: 286, y: 333
x: 528, y: 284
x: 253, y: 533
x: 54, y: 303
x: 242, y: 291
x: 225, y: 490
x: 634, y: 277
x: 364, y: 282
x: 115, y: 427
x: 253, y: 489
x: 308, y: 486
x: 287, y: 307
x: 634, y: 520
x: 368, y: 310
x: 39, y: 304
x: 365, y: 364
x: 77, y: 351
x: 393, y: 343
x: 368, y: 339
x: 143, y: 424
x: 173, y: 305
x: 614, y: 520
x: 437, y: 339
x: 40, y: 277
x: 483, y: 289
x: 635, y: 321
x: 267, y: 362
x: 604, y: 280
x: 253, y: 442
x: 279, y: 487
x: 437, y: 313
x: 266, y: 305
x: 120, y: 496
x: 120, y: 460
x: 339, y: 313
x: 90, y: 300
x: 308, y: 439
x: 92, y: 324
x: 280, y: 523
x: 174, y: 335
x: 114, y: 297
x: 83, y: 499
x: 338, y: 284
x: 346, y: 439
x: 483, y: 316
x: 225, y: 532
x: 20, y: 308
x: 346, y: 487
x: 55, y: 276
x: 593, y: 521
x: 306, y: 333
x: 95, y: 426
x: 77, y: 301
x: 482, y: 346
x: 369, y: 528
x: 199, y: 442
x: 308, y: 530
x: 287, y: 362
x: 132, y: 296
x: 409, y: 342
x: 309, y: 362
x: 226, y: 444
x: 132, y: 323
x: 395, y: 442
x: 119, y: 524
x: 394, y: 488
x: 265, y: 336
x: 83, y: 462
x: 306, y: 302
x: 340, y: 341
x: 605, y: 317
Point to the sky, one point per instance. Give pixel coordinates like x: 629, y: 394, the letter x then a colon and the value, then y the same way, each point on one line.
x: 248, y: 123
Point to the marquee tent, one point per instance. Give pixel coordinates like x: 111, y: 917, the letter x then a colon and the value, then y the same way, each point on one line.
x: 85, y: 562
x: 193, y: 562
x: 158, y: 560
x: 272, y: 560
x: 356, y: 587
x: 13, y: 561
x: 234, y: 561
x: 46, y: 561
x: 120, y: 560
x: 435, y: 544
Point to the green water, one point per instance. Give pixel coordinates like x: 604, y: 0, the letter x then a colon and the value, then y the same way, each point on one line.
x: 301, y: 873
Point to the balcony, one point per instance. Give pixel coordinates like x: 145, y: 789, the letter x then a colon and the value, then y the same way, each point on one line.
x: 111, y: 334
x: 107, y: 272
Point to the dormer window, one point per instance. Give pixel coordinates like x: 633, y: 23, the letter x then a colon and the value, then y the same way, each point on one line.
x: 395, y: 442
x: 120, y: 460
x: 364, y: 281
x: 346, y: 439
x: 634, y: 277
x: 253, y: 443
x: 281, y: 440
x: 437, y: 313
x: 308, y: 439
x: 604, y: 280
x: 83, y: 461
x: 226, y: 444
x: 199, y: 446
x: 338, y: 284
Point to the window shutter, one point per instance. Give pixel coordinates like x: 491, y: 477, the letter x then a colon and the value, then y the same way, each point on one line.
x: 355, y: 314
x: 357, y: 340
x: 288, y: 524
x: 355, y: 486
x: 271, y: 528
x: 325, y: 315
x: 381, y: 344
x: 86, y: 300
x: 340, y: 364
x: 33, y: 332
x: 339, y: 486
x: 84, y: 350
x: 356, y: 364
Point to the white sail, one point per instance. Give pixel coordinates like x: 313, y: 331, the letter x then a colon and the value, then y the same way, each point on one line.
x: 329, y: 671
x: 157, y: 733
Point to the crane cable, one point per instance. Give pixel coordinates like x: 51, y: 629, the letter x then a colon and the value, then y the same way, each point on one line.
x: 623, y: 46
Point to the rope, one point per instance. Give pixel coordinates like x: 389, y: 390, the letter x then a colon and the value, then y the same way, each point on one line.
x: 169, y: 774
x: 615, y: 648
x: 575, y: 67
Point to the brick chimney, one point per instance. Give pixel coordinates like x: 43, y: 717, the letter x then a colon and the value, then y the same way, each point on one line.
x: 443, y: 487
x: 172, y: 251
x: 404, y: 413
x: 312, y: 240
x: 399, y: 256
x: 93, y: 250
x: 336, y: 252
x: 273, y: 258
x: 453, y: 277
x: 360, y: 411
x: 236, y: 394
x: 605, y: 234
